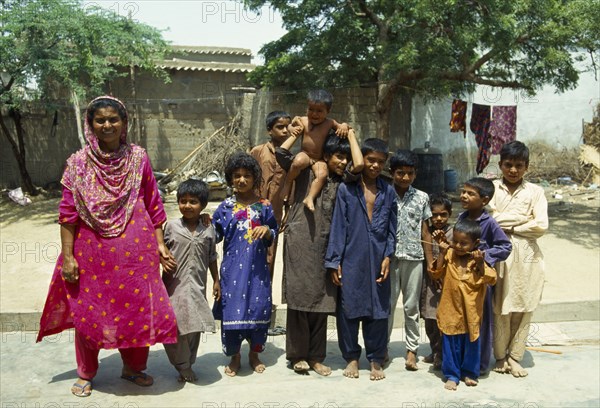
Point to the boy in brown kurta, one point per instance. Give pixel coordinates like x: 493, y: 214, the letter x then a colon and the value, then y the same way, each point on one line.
x: 194, y: 247
x: 272, y: 173
x: 465, y: 276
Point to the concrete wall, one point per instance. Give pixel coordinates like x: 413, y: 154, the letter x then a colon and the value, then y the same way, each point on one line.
x: 555, y: 119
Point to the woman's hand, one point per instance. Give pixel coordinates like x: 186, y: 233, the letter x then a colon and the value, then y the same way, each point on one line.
x: 70, y: 269
x: 167, y: 260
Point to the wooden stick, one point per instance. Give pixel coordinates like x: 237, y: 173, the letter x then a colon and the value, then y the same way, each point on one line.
x: 543, y: 350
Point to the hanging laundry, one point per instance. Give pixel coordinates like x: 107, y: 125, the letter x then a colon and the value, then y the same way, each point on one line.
x: 504, y: 126
x: 458, y: 119
x: 480, y: 125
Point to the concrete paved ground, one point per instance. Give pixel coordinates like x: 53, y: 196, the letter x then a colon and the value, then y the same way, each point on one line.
x: 40, y: 375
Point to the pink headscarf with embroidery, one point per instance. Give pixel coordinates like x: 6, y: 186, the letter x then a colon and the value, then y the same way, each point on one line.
x: 105, y: 186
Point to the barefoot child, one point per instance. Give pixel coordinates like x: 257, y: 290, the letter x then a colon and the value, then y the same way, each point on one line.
x: 413, y: 245
x: 246, y: 224
x: 441, y: 210
x: 361, y: 242
x: 465, y: 277
x: 314, y: 127
x: 194, y: 247
x: 475, y: 195
x: 521, y: 209
x: 273, y: 175
x: 309, y: 292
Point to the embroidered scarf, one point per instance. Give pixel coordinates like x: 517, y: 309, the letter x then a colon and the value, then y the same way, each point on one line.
x: 105, y: 185
x: 504, y: 126
x: 458, y: 119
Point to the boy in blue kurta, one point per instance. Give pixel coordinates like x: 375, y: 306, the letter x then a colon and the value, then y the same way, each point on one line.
x: 475, y: 195
x: 361, y: 241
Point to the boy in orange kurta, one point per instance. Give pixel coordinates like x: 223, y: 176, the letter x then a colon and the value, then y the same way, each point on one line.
x: 465, y: 276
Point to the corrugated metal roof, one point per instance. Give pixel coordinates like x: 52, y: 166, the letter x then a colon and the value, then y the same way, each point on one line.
x: 212, y: 50
x: 185, y: 65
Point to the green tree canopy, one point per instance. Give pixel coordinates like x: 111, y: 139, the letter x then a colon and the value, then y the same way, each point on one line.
x: 431, y: 47
x: 48, y: 47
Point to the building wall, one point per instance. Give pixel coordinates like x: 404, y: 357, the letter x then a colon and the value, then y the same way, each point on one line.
x: 555, y: 119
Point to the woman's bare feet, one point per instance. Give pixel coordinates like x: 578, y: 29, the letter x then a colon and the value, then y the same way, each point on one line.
x: 502, y: 366
x: 411, y: 361
x: 300, y: 366
x: 351, y: 370
x: 234, y: 365
x: 516, y: 369
x: 255, y: 362
x: 450, y: 385
x: 187, y: 375
x: 320, y: 368
x: 376, y: 371
x: 470, y: 382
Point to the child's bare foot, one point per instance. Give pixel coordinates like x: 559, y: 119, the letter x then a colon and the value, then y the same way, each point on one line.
x: 187, y: 375
x: 300, y: 366
x: 470, y: 382
x: 428, y: 359
x: 437, y: 362
x: 320, y: 368
x: 450, y: 385
x: 376, y: 371
x: 502, y: 366
x: 255, y: 362
x: 308, y: 203
x: 351, y: 370
x: 516, y: 369
x: 234, y: 365
x: 411, y: 361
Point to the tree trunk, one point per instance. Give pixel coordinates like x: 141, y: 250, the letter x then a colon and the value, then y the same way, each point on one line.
x: 75, y: 99
x: 394, y: 121
x: 19, y: 150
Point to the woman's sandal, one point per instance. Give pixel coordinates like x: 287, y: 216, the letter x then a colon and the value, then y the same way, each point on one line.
x: 139, y: 379
x: 81, y: 389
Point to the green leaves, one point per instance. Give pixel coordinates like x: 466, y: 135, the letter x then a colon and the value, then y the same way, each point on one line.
x: 46, y: 45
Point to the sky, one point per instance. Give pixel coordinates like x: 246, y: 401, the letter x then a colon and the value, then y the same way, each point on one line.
x: 203, y: 22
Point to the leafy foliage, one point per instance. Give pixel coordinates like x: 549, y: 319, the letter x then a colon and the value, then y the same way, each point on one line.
x: 434, y: 47
x: 47, y: 45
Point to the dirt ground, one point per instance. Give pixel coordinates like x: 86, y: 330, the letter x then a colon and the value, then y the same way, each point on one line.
x: 30, y: 244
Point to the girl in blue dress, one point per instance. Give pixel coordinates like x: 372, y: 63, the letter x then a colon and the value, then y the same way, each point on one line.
x: 246, y: 224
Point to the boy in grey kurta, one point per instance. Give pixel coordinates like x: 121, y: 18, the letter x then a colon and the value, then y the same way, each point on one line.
x: 193, y: 245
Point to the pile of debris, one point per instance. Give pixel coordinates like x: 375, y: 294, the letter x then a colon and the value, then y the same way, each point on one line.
x: 207, y: 161
x: 590, y: 151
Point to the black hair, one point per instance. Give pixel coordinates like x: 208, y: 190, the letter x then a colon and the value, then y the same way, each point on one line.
x: 105, y: 103
x: 274, y: 116
x: 515, y: 150
x: 440, y: 199
x: 484, y: 187
x: 402, y: 158
x: 241, y: 160
x: 469, y: 227
x: 195, y: 188
x: 320, y: 96
x: 335, y: 144
x: 374, y: 145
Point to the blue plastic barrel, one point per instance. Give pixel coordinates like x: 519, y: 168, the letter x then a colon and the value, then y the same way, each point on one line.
x: 450, y: 180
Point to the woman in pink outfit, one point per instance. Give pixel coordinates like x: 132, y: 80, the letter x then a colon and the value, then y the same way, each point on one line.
x: 107, y: 282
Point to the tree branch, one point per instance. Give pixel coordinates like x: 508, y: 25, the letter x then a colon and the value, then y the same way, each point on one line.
x: 491, y: 54
x: 468, y: 77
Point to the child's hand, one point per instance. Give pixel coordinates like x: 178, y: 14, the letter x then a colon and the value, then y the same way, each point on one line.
x: 385, y: 270
x: 217, y: 290
x: 296, y: 127
x: 261, y: 232
x: 478, y: 257
x: 439, y: 236
x: 167, y: 260
x: 342, y: 130
x: 206, y: 219
x: 336, y: 275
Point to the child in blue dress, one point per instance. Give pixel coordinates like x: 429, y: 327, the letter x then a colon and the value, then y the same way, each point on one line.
x: 246, y: 224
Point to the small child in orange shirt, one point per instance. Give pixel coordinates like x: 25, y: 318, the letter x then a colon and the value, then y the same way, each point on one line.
x: 465, y: 276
